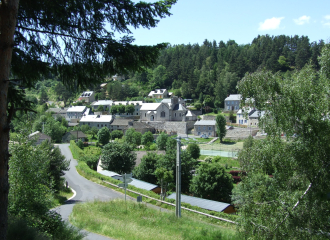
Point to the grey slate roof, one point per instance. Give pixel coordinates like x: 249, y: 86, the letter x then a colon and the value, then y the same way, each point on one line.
x: 202, y: 203
x: 234, y: 97
x: 121, y: 122
x: 205, y: 123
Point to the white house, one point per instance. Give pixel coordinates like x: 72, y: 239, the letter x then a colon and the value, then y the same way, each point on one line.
x: 104, y: 103
x: 249, y: 116
x: 88, y: 96
x: 98, y: 121
x: 76, y: 112
x: 158, y: 93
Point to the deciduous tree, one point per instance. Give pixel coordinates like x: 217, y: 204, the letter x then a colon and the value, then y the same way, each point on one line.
x: 194, y: 150
x: 221, y: 126
x: 212, y: 182
x: 103, y: 135
x: 294, y: 203
x: 118, y: 157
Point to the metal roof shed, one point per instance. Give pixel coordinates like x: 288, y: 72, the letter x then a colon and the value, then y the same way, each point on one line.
x: 144, y: 185
x: 205, y: 203
x: 110, y: 174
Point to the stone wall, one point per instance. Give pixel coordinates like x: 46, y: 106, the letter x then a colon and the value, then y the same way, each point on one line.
x: 178, y: 127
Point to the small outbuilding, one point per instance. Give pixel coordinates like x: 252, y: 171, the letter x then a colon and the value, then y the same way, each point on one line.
x: 74, y: 135
x: 39, y: 137
x: 205, y: 203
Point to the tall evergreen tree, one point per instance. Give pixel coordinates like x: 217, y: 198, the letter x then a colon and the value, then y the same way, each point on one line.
x: 70, y: 37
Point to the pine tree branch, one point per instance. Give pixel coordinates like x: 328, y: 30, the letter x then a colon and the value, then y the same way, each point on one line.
x: 58, y: 34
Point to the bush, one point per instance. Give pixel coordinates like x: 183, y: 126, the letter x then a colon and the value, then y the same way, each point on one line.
x: 194, y: 150
x: 80, y: 144
x: 91, y: 161
x: 153, y: 147
x: 116, y: 134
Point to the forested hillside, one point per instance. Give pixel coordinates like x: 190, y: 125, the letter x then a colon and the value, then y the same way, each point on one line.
x: 207, y: 73
x: 213, y: 69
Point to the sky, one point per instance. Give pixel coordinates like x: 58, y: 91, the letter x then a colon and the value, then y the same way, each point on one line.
x: 240, y: 20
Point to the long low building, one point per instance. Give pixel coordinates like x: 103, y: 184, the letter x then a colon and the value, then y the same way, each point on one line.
x: 98, y: 121
x: 205, y: 203
x: 136, y: 182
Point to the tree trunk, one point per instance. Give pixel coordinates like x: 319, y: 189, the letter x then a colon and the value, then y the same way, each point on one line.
x: 8, y: 14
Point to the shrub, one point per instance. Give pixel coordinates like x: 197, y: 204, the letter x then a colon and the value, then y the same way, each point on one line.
x: 80, y: 144
x: 116, y: 134
x: 153, y: 147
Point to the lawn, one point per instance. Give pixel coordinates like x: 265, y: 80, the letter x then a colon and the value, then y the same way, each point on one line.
x: 227, y: 162
x: 226, y: 146
x: 130, y: 220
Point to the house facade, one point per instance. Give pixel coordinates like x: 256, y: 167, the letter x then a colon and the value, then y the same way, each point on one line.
x: 158, y: 93
x: 249, y: 117
x: 232, y: 102
x: 205, y: 127
x: 57, y: 112
x: 163, y: 111
x: 76, y: 112
x: 88, y: 96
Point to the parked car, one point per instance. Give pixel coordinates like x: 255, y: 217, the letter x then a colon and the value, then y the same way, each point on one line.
x: 204, y: 136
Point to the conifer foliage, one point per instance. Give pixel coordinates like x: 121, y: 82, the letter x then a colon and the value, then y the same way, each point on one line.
x: 69, y: 37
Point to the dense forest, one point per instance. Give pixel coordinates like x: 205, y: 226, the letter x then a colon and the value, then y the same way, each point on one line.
x: 207, y: 73
x: 213, y: 69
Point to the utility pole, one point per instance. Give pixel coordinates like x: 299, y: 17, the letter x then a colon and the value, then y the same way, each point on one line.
x: 43, y: 127
x: 178, y: 179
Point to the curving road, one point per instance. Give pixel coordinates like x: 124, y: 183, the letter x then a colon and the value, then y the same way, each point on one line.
x: 85, y: 191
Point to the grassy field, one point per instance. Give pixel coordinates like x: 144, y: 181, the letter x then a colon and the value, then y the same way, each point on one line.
x: 228, y: 147
x: 227, y: 162
x: 131, y: 220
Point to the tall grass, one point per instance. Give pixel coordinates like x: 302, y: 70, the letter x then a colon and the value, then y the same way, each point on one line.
x: 130, y: 220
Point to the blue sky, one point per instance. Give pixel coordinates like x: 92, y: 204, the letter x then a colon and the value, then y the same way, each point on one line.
x: 240, y: 20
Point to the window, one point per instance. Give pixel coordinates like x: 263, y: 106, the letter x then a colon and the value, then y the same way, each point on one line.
x: 162, y: 114
x: 180, y: 115
x: 210, y: 128
x: 89, y: 124
x: 145, y: 115
x: 174, y: 114
x: 204, y: 128
x: 101, y: 125
x: 97, y: 125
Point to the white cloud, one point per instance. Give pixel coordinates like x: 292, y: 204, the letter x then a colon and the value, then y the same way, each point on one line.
x: 270, y: 24
x: 302, y: 20
x: 327, y: 21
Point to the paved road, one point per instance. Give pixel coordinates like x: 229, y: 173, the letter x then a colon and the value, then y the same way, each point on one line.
x: 85, y: 191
